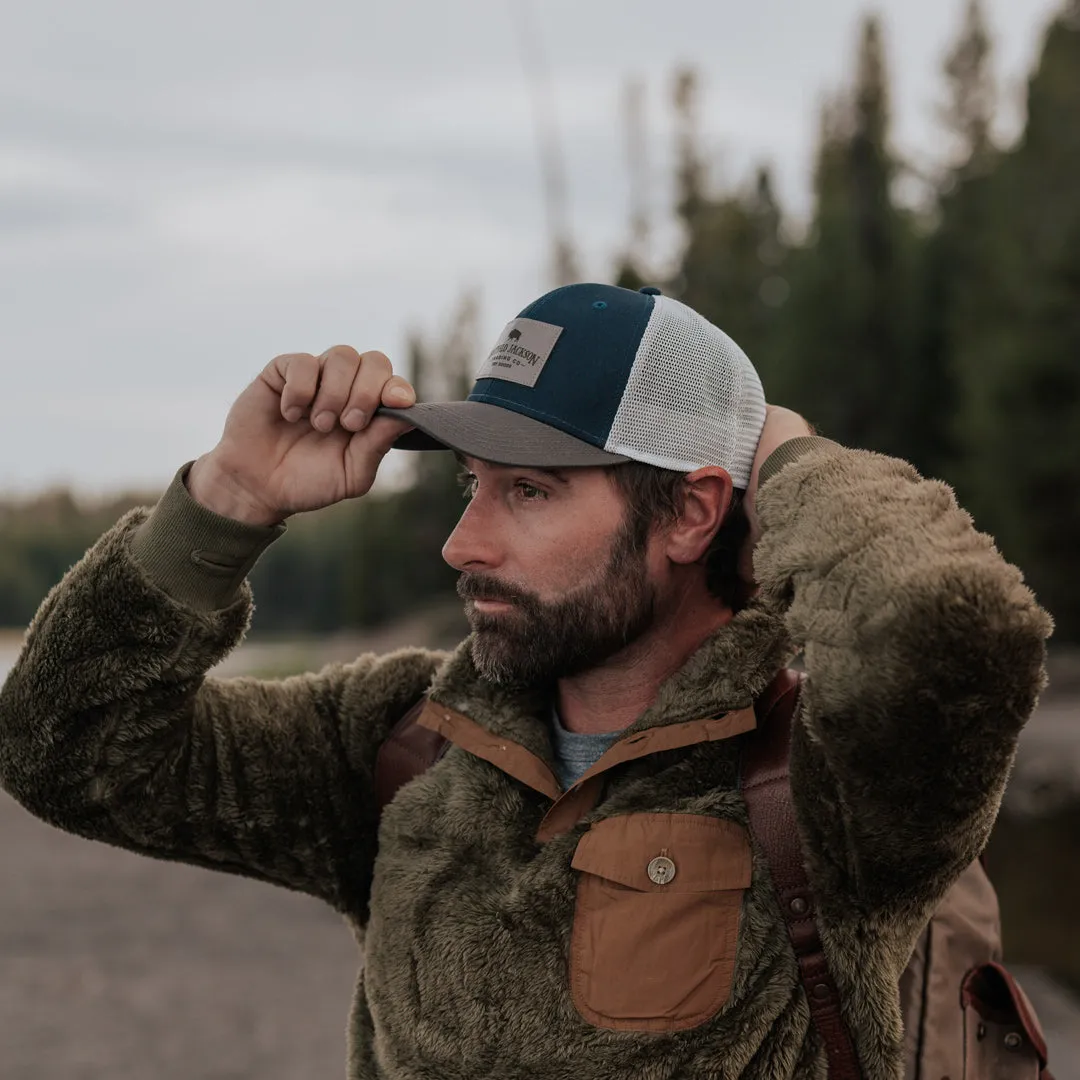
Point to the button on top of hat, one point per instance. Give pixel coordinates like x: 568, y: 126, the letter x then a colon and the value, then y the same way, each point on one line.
x: 649, y: 290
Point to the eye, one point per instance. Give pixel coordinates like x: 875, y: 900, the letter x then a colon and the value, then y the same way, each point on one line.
x: 529, y: 492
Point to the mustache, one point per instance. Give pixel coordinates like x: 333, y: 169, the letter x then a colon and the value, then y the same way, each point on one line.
x: 472, y: 586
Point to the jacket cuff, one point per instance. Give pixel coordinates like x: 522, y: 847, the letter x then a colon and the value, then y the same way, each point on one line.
x: 196, y: 556
x: 790, y: 451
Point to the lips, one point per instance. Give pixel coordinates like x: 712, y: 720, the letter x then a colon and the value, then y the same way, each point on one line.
x: 479, y: 601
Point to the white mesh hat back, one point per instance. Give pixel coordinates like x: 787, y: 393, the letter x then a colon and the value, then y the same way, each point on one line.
x: 693, y: 398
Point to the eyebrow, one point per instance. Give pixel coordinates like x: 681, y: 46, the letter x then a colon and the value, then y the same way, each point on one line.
x: 559, y: 475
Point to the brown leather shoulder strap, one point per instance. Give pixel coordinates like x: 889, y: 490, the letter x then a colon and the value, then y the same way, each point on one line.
x: 408, y: 751
x: 766, y: 787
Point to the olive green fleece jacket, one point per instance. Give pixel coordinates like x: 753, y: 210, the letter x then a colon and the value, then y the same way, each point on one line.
x: 482, y: 957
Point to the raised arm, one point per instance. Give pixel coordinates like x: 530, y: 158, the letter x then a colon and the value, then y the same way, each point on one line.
x: 108, y: 726
x: 925, y: 654
x: 109, y: 729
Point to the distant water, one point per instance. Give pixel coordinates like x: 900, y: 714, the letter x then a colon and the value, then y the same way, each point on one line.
x: 9, y: 651
x: 259, y: 657
x: 263, y: 657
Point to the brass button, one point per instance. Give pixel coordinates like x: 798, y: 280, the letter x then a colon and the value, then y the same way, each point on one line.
x: 661, y: 870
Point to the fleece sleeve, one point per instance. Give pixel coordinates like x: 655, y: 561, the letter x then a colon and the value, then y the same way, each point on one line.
x: 109, y: 727
x: 925, y: 656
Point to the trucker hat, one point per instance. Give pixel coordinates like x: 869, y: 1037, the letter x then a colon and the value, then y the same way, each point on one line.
x: 595, y: 375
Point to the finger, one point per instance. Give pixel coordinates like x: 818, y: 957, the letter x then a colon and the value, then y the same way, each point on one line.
x: 367, y: 448
x: 398, y: 393
x: 275, y: 372
x: 339, y: 367
x: 298, y: 377
x: 365, y: 394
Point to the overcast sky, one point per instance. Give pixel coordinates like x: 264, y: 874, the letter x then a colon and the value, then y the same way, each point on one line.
x: 188, y: 189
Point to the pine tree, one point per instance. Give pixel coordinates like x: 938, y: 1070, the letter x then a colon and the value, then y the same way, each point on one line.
x: 956, y: 266
x: 734, y: 258
x: 969, y: 111
x: 690, y: 170
x: 733, y: 264
x: 849, y: 339
x: 632, y: 268
x: 1019, y: 360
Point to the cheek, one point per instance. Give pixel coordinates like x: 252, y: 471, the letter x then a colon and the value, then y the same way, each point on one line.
x: 557, y: 562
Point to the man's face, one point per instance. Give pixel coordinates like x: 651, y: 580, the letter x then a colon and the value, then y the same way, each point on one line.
x: 555, y: 580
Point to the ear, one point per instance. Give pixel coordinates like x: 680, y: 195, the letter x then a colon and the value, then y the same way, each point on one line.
x: 706, y: 499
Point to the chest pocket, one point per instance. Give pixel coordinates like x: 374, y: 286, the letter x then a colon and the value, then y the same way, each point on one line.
x: 656, y: 920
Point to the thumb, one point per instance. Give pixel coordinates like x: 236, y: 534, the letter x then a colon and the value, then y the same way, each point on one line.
x: 368, y: 447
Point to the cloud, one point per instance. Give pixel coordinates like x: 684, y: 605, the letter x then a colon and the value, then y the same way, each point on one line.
x: 32, y: 210
x: 298, y: 224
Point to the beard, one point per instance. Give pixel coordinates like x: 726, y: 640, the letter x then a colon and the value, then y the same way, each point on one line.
x: 541, y: 641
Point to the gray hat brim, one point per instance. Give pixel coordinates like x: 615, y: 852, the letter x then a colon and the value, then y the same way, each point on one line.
x: 490, y: 433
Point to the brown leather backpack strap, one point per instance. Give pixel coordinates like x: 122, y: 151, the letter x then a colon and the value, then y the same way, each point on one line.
x: 407, y: 751
x: 766, y: 787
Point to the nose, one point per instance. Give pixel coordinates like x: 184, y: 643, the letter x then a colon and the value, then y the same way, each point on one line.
x: 473, y: 544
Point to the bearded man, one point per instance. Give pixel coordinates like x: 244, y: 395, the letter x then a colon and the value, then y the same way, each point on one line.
x: 572, y: 890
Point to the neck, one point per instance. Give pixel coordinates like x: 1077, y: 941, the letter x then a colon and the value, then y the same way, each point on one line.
x: 612, y: 696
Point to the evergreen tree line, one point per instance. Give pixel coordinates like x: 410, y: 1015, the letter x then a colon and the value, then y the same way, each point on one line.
x: 947, y: 334
x: 943, y: 329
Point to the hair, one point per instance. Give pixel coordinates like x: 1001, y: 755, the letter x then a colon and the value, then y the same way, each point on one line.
x: 655, y: 496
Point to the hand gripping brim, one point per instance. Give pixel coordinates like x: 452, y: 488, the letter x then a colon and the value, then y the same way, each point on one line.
x: 490, y: 433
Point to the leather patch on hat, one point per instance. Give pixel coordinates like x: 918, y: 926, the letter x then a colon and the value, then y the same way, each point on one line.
x: 521, y: 353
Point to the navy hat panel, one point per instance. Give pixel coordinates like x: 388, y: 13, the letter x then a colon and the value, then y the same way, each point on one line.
x: 582, y: 383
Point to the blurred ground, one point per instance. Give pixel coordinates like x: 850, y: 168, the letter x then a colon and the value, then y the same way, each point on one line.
x: 117, y: 967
